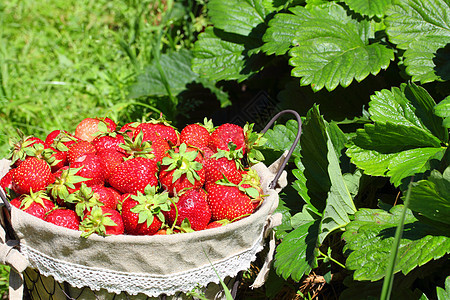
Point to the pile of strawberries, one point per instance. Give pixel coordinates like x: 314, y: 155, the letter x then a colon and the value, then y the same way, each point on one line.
x: 142, y: 178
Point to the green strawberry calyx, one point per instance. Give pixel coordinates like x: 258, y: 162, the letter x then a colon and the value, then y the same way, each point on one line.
x: 137, y: 147
x: 34, y: 197
x: 68, y: 179
x: 151, y: 204
x: 96, y: 222
x: 182, y: 163
x: 84, y: 199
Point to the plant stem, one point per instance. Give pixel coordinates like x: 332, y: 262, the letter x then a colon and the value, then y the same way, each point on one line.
x: 332, y: 259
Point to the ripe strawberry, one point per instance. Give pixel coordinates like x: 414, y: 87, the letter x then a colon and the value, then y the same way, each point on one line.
x: 109, y: 159
x: 106, y: 142
x: 219, y: 223
x: 197, y: 135
x: 83, y: 200
x: 142, y: 214
x: 60, y: 139
x: 33, y: 174
x: 225, y: 134
x: 218, y: 168
x: 78, y: 149
x: 228, y: 202
x: 191, y: 205
x: 129, y: 128
x: 36, y: 204
x: 66, y: 182
x: 134, y: 175
x: 21, y: 147
x: 159, y: 127
x: 108, y: 196
x: 90, y: 168
x: 155, y: 149
x: 6, y: 181
x: 63, y: 217
x: 88, y: 128
x: 102, y: 221
x: 182, y: 169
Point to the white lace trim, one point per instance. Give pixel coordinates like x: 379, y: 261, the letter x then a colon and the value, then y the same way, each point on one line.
x: 151, y: 285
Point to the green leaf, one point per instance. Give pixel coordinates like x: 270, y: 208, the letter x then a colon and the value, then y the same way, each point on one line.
x: 239, y: 17
x: 422, y: 28
x: 369, y: 7
x: 279, y: 37
x: 177, y: 69
x: 369, y: 239
x: 444, y: 294
x: 297, y: 254
x: 281, y: 137
x: 339, y: 201
x: 333, y: 49
x: 426, y: 59
x: 409, y: 20
x: 431, y: 197
x: 443, y: 110
x: 222, y: 56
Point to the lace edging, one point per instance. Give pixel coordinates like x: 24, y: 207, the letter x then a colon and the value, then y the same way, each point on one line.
x: 151, y: 285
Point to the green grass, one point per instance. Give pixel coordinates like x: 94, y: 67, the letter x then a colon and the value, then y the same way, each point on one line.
x: 63, y: 60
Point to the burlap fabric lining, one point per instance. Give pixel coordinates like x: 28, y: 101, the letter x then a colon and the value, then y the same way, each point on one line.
x: 150, y: 265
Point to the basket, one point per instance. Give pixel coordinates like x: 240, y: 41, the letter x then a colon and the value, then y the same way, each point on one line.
x: 52, y: 262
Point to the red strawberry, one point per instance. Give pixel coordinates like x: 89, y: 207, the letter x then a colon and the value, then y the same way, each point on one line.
x: 91, y: 168
x: 102, y: 221
x: 6, y: 181
x: 83, y: 200
x: 160, y: 127
x: 156, y: 148
x: 63, y: 217
x: 129, y: 128
x: 228, y: 202
x: 134, y: 175
x: 182, y: 169
x: 88, y: 128
x: 225, y: 134
x: 66, y: 182
x: 219, y: 223
x: 36, y: 204
x: 109, y: 159
x: 60, y: 139
x: 78, y: 149
x: 21, y: 147
x: 33, y: 174
x: 218, y: 168
x: 191, y: 205
x: 108, y: 196
x: 107, y: 142
x: 142, y: 214
x: 197, y: 135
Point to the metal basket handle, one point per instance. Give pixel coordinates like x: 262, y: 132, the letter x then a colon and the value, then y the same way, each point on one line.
x: 291, y: 150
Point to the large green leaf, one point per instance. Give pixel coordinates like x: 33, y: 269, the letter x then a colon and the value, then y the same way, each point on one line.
x: 177, y: 70
x: 298, y: 252
x: 427, y: 59
x: 369, y: 7
x: 369, y: 241
x: 443, y: 110
x: 409, y: 20
x: 431, y: 197
x: 224, y: 57
x: 405, y: 137
x: 422, y: 28
x: 282, y: 31
x: 339, y: 201
x: 239, y: 17
x: 281, y: 137
x: 332, y: 49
